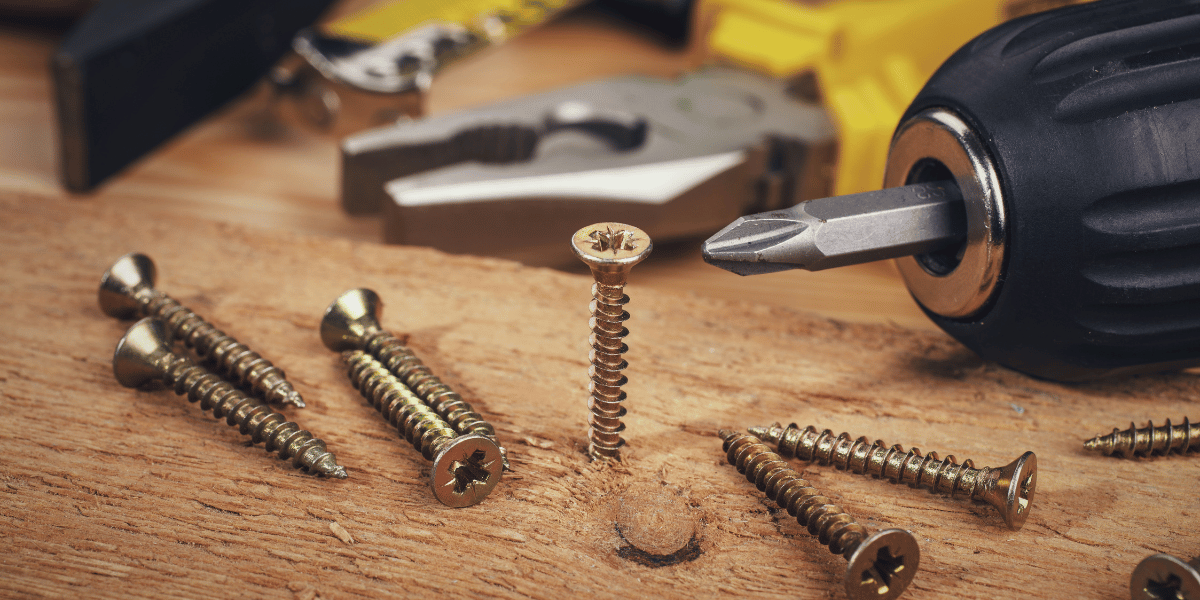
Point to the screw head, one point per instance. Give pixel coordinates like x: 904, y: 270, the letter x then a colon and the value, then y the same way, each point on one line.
x: 353, y: 315
x: 611, y: 247
x: 121, y: 282
x: 136, y: 360
x: 466, y: 471
x: 882, y: 566
x: 1164, y: 577
x: 1018, y: 483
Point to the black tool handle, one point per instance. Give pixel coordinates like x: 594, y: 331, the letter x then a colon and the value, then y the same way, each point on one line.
x: 1092, y: 116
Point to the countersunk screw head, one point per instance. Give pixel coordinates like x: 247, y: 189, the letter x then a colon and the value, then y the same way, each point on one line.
x: 1015, y: 487
x: 466, y: 470
x: 611, y: 247
x: 350, y: 318
x: 139, y: 355
x: 121, y: 282
x: 1164, y: 577
x: 882, y: 566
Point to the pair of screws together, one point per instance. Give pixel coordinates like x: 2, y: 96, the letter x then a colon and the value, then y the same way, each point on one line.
x: 467, y: 459
x: 880, y: 566
x: 144, y: 354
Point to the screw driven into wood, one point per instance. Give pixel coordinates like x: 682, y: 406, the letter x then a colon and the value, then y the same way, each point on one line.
x: 610, y: 250
x: 1009, y: 488
x: 127, y: 291
x: 465, y: 468
x: 1148, y: 440
x: 145, y: 354
x: 881, y: 565
x: 352, y: 323
x: 1165, y: 577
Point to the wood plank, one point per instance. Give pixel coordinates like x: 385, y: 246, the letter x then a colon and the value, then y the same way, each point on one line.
x: 114, y: 492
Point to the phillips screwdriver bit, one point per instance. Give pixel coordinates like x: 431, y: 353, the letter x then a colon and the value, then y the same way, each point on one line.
x: 845, y: 230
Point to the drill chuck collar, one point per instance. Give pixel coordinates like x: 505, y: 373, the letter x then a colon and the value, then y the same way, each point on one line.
x: 1074, y: 136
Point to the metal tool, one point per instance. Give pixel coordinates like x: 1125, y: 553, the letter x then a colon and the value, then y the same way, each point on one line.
x: 1165, y: 577
x: 1050, y: 204
x: 678, y: 157
x: 1148, y: 440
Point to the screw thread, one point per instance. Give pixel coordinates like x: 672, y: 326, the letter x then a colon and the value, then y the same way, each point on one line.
x: 228, y: 356
x: 773, y: 476
x: 416, y: 421
x: 252, y: 417
x: 1148, y: 440
x: 878, y: 459
x: 404, y: 364
x: 607, y: 364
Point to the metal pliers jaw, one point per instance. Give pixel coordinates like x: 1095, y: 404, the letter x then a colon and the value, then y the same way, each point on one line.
x: 679, y: 158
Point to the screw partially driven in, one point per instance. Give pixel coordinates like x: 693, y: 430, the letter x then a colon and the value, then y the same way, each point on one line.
x: 881, y: 565
x: 1148, y: 440
x: 465, y: 468
x: 127, y: 291
x: 352, y: 323
x: 145, y: 354
x: 1165, y: 577
x: 610, y: 250
x: 1010, y: 489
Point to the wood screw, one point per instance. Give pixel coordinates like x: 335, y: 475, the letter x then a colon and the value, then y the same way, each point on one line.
x: 352, y: 323
x: 1164, y: 577
x: 610, y: 250
x: 881, y: 566
x: 1149, y: 440
x: 127, y: 291
x: 465, y: 468
x: 145, y: 354
x: 1010, y: 489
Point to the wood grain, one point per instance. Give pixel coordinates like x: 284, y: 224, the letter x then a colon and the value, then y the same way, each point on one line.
x: 111, y: 492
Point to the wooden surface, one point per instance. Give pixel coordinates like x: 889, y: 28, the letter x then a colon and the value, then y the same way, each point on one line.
x: 111, y: 492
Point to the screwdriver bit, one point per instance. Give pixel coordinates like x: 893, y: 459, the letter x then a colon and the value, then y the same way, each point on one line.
x: 845, y: 230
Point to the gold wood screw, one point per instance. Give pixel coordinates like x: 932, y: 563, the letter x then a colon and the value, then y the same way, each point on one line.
x: 465, y: 468
x: 352, y: 323
x: 1164, y: 577
x: 1149, y: 440
x: 1009, y: 488
x: 145, y: 354
x: 127, y: 291
x: 881, y: 566
x: 610, y: 250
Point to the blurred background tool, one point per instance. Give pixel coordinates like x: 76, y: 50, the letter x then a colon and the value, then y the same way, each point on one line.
x: 677, y: 157
x: 132, y: 74
x: 1047, y: 180
x: 372, y: 67
x: 864, y: 60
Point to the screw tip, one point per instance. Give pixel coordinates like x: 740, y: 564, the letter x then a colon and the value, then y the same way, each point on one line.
x: 293, y: 399
x: 338, y: 472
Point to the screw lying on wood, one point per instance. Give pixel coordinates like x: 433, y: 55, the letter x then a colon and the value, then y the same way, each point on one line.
x: 1149, y: 440
x: 881, y: 566
x: 610, y: 250
x: 144, y: 354
x: 1009, y: 488
x: 1164, y: 577
x: 127, y: 291
x: 465, y: 468
x: 352, y: 323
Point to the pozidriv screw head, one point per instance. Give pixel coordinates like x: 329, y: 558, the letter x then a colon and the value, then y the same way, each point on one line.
x: 882, y: 566
x: 611, y: 247
x: 1014, y: 490
x: 122, y: 281
x: 353, y: 315
x: 466, y: 470
x: 138, y: 357
x: 1165, y: 577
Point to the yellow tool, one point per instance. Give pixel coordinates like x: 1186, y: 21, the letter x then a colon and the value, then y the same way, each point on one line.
x: 489, y: 19
x: 869, y: 58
